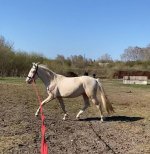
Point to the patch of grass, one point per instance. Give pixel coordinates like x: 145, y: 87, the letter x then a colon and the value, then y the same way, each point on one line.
x: 119, y: 83
x: 15, y: 80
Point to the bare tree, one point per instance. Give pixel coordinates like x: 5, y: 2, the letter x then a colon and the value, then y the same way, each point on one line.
x: 132, y: 54
x: 106, y: 58
x: 61, y: 59
x: 78, y: 61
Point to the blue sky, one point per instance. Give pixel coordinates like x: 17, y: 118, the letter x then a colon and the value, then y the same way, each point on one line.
x: 75, y: 27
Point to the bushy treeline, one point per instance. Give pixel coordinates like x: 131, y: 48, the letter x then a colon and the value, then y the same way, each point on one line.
x: 18, y: 63
x: 15, y: 63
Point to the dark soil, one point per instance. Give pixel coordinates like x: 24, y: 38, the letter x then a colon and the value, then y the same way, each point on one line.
x: 20, y: 130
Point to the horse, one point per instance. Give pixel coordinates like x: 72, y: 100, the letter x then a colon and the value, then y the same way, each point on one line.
x: 59, y: 87
x: 71, y: 74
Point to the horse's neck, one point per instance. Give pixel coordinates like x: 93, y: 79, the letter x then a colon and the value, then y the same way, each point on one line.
x: 46, y: 77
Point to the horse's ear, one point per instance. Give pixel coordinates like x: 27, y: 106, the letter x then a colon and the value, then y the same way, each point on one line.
x: 35, y: 64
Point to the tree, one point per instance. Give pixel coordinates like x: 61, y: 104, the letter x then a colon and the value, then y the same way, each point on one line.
x: 60, y: 59
x: 132, y: 54
x: 106, y: 58
x: 6, y: 56
x: 78, y: 61
x: 146, y: 54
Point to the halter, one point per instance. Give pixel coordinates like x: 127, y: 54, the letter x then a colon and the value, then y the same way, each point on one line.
x: 32, y: 78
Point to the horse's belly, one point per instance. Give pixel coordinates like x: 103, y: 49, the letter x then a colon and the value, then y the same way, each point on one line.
x: 71, y: 92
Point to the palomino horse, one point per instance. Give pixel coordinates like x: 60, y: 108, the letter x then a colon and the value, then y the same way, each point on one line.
x: 59, y: 86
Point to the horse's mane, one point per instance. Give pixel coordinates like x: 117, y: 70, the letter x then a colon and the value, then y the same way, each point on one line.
x: 46, y: 69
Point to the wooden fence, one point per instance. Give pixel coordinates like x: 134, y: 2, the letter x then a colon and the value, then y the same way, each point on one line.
x: 135, y: 80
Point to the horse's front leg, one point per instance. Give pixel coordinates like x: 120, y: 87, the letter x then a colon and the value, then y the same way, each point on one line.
x: 63, y: 107
x: 49, y: 98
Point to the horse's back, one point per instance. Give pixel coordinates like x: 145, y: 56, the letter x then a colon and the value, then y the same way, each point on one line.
x: 70, y: 86
x: 88, y: 85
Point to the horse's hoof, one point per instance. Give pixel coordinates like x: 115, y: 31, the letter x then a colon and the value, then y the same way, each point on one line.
x: 65, y: 116
x: 102, y: 119
x: 77, y: 118
x: 36, y: 115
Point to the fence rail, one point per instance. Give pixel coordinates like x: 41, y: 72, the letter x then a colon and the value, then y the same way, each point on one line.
x: 135, y: 80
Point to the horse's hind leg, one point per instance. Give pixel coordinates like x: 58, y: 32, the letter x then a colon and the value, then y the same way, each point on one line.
x: 98, y: 105
x: 86, y: 105
x: 63, y: 107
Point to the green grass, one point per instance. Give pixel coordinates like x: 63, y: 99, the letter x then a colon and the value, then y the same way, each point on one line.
x: 14, y: 80
x: 119, y: 83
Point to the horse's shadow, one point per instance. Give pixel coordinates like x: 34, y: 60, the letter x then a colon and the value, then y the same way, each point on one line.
x: 114, y: 118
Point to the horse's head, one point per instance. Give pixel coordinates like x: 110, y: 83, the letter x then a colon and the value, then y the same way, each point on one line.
x: 32, y: 75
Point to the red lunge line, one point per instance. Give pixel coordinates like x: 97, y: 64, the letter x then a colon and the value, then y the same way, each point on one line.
x: 44, y: 146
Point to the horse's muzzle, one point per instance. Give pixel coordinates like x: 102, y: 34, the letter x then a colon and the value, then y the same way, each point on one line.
x: 29, y: 80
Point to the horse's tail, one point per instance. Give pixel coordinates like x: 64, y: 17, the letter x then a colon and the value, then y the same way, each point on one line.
x: 105, y: 101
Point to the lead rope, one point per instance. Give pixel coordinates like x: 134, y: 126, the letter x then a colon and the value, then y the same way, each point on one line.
x: 44, y: 146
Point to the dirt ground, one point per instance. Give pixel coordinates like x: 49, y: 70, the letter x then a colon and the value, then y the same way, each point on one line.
x: 127, y: 131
